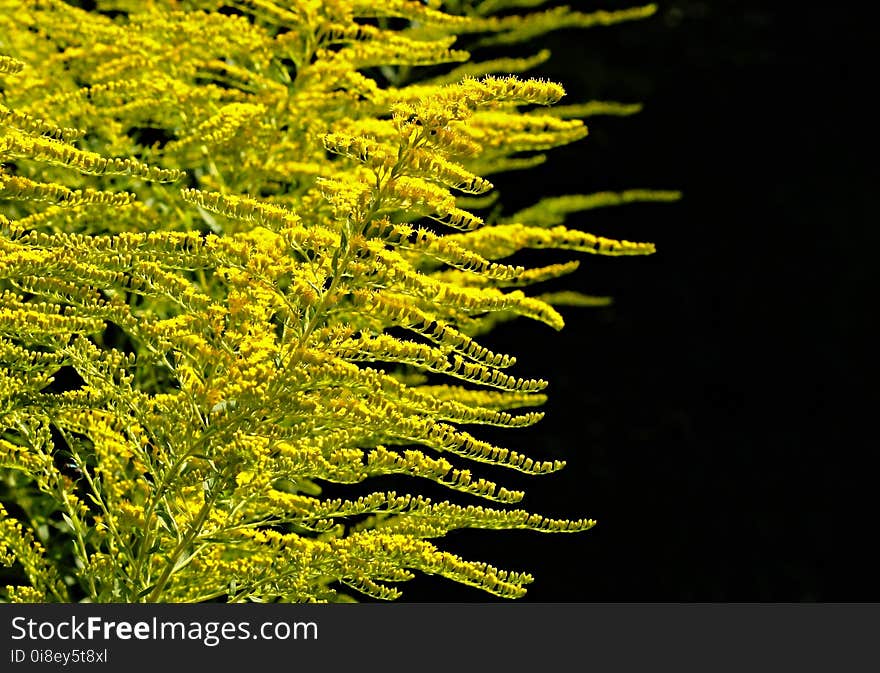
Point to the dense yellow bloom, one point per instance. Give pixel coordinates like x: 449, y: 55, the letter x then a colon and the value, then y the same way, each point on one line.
x: 257, y: 244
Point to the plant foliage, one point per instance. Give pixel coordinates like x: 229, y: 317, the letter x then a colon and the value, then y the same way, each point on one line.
x: 241, y: 260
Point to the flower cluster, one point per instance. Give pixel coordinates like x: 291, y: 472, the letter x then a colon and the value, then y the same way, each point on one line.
x: 247, y: 236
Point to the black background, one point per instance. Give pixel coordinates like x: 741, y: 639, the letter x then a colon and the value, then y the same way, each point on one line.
x: 717, y: 418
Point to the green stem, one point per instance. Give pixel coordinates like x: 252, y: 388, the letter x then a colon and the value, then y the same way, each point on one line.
x: 194, y: 530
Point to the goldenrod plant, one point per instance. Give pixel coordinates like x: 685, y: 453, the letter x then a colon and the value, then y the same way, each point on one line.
x: 247, y: 249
